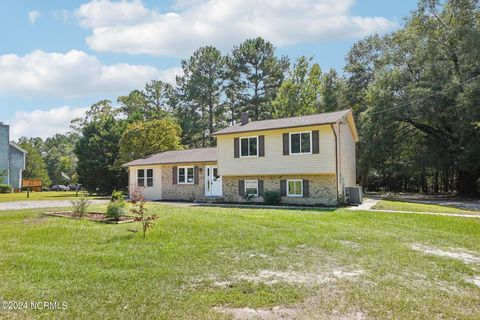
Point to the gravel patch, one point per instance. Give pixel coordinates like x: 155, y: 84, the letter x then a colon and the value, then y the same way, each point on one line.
x: 458, y: 254
x: 271, y: 277
x: 475, y: 280
x: 264, y: 314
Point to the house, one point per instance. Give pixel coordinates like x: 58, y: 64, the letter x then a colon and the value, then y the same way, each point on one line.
x: 12, y: 159
x: 308, y: 159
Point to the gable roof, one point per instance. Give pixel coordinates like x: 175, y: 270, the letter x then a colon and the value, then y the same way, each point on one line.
x: 179, y: 156
x: 14, y: 145
x: 302, y: 121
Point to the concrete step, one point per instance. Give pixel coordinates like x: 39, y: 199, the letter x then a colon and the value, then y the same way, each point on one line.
x: 207, y: 199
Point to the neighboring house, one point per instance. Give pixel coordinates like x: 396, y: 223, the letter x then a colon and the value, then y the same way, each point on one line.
x: 308, y: 159
x: 12, y: 159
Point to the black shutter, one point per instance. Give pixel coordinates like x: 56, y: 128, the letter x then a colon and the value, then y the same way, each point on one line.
x: 260, y: 188
x: 236, y: 148
x: 306, y: 188
x: 174, y: 175
x: 241, y: 188
x: 315, y: 142
x: 195, y: 175
x: 283, y: 188
x: 261, y: 146
x: 286, y: 144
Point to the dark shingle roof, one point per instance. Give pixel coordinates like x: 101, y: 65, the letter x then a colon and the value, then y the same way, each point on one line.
x: 303, y: 121
x: 180, y: 156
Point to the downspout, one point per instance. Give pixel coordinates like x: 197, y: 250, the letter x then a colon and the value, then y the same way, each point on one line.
x: 336, y: 158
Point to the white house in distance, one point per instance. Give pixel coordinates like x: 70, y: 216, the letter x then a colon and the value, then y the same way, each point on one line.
x: 309, y: 160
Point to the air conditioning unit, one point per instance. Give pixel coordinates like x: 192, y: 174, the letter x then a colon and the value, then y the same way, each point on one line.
x: 354, y: 194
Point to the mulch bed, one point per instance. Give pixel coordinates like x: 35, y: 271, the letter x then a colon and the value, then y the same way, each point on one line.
x: 91, y: 216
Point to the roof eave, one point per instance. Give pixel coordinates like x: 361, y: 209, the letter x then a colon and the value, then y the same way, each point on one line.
x: 279, y: 128
x: 166, y: 163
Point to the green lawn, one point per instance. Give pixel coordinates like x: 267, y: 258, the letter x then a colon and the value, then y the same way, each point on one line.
x: 420, y: 207
x: 329, y: 264
x: 46, y: 195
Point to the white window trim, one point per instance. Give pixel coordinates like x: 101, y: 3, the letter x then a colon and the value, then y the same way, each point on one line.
x: 240, y: 147
x: 245, y: 186
x: 290, y: 143
x: 295, y: 195
x: 186, y: 175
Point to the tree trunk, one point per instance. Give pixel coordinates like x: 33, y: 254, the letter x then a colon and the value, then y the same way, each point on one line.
x: 467, y: 183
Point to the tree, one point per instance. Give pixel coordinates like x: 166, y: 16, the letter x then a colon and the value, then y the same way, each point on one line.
x: 35, y: 167
x: 332, y: 91
x: 260, y: 73
x: 299, y: 94
x: 159, y: 97
x: 97, y: 150
x: 201, y: 87
x: 59, y: 156
x: 142, y: 139
x: 423, y: 85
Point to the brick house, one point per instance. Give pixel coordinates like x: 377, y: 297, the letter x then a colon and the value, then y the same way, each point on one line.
x: 308, y: 159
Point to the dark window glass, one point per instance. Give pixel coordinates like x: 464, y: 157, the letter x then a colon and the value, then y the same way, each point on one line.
x: 190, y: 175
x: 244, y: 147
x: 141, y: 178
x: 295, y: 142
x: 305, y: 142
x: 300, y: 142
x: 149, y: 177
x: 252, y: 146
x: 248, y: 147
x: 181, y: 175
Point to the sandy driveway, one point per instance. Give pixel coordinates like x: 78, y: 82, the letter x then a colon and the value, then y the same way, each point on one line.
x: 16, y: 205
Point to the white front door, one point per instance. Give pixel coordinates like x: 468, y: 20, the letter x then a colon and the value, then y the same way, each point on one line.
x: 213, y: 182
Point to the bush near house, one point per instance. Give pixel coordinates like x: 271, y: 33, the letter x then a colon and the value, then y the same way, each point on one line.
x: 5, y: 188
x: 272, y: 197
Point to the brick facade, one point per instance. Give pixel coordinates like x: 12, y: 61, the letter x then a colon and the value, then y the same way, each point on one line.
x: 188, y: 192
x: 322, y: 189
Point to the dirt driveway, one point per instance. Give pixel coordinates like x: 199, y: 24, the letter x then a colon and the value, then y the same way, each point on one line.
x: 463, y: 203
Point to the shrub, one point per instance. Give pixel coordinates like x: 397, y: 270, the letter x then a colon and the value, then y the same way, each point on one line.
x: 80, y: 206
x: 117, y: 196
x: 116, y: 209
x: 139, y: 211
x: 5, y: 188
x: 272, y: 197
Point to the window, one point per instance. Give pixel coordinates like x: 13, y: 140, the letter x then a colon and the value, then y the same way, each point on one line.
x: 185, y: 175
x: 294, y: 188
x: 248, y: 147
x: 141, y: 177
x: 300, y: 143
x: 149, y: 177
x: 251, y: 187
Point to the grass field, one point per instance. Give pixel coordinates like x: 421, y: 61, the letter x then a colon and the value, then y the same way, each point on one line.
x: 420, y: 207
x: 46, y: 195
x: 212, y: 263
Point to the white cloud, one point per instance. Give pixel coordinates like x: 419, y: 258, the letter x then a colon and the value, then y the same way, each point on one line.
x: 33, y: 16
x: 72, y: 74
x: 99, y: 13
x: 130, y: 27
x: 43, y: 123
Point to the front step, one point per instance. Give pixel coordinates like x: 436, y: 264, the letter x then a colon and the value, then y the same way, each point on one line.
x: 209, y: 199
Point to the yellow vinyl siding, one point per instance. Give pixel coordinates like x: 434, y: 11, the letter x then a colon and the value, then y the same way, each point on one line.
x: 274, y: 162
x: 347, y: 156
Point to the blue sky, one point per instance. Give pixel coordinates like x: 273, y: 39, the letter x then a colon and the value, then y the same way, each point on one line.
x: 59, y: 57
